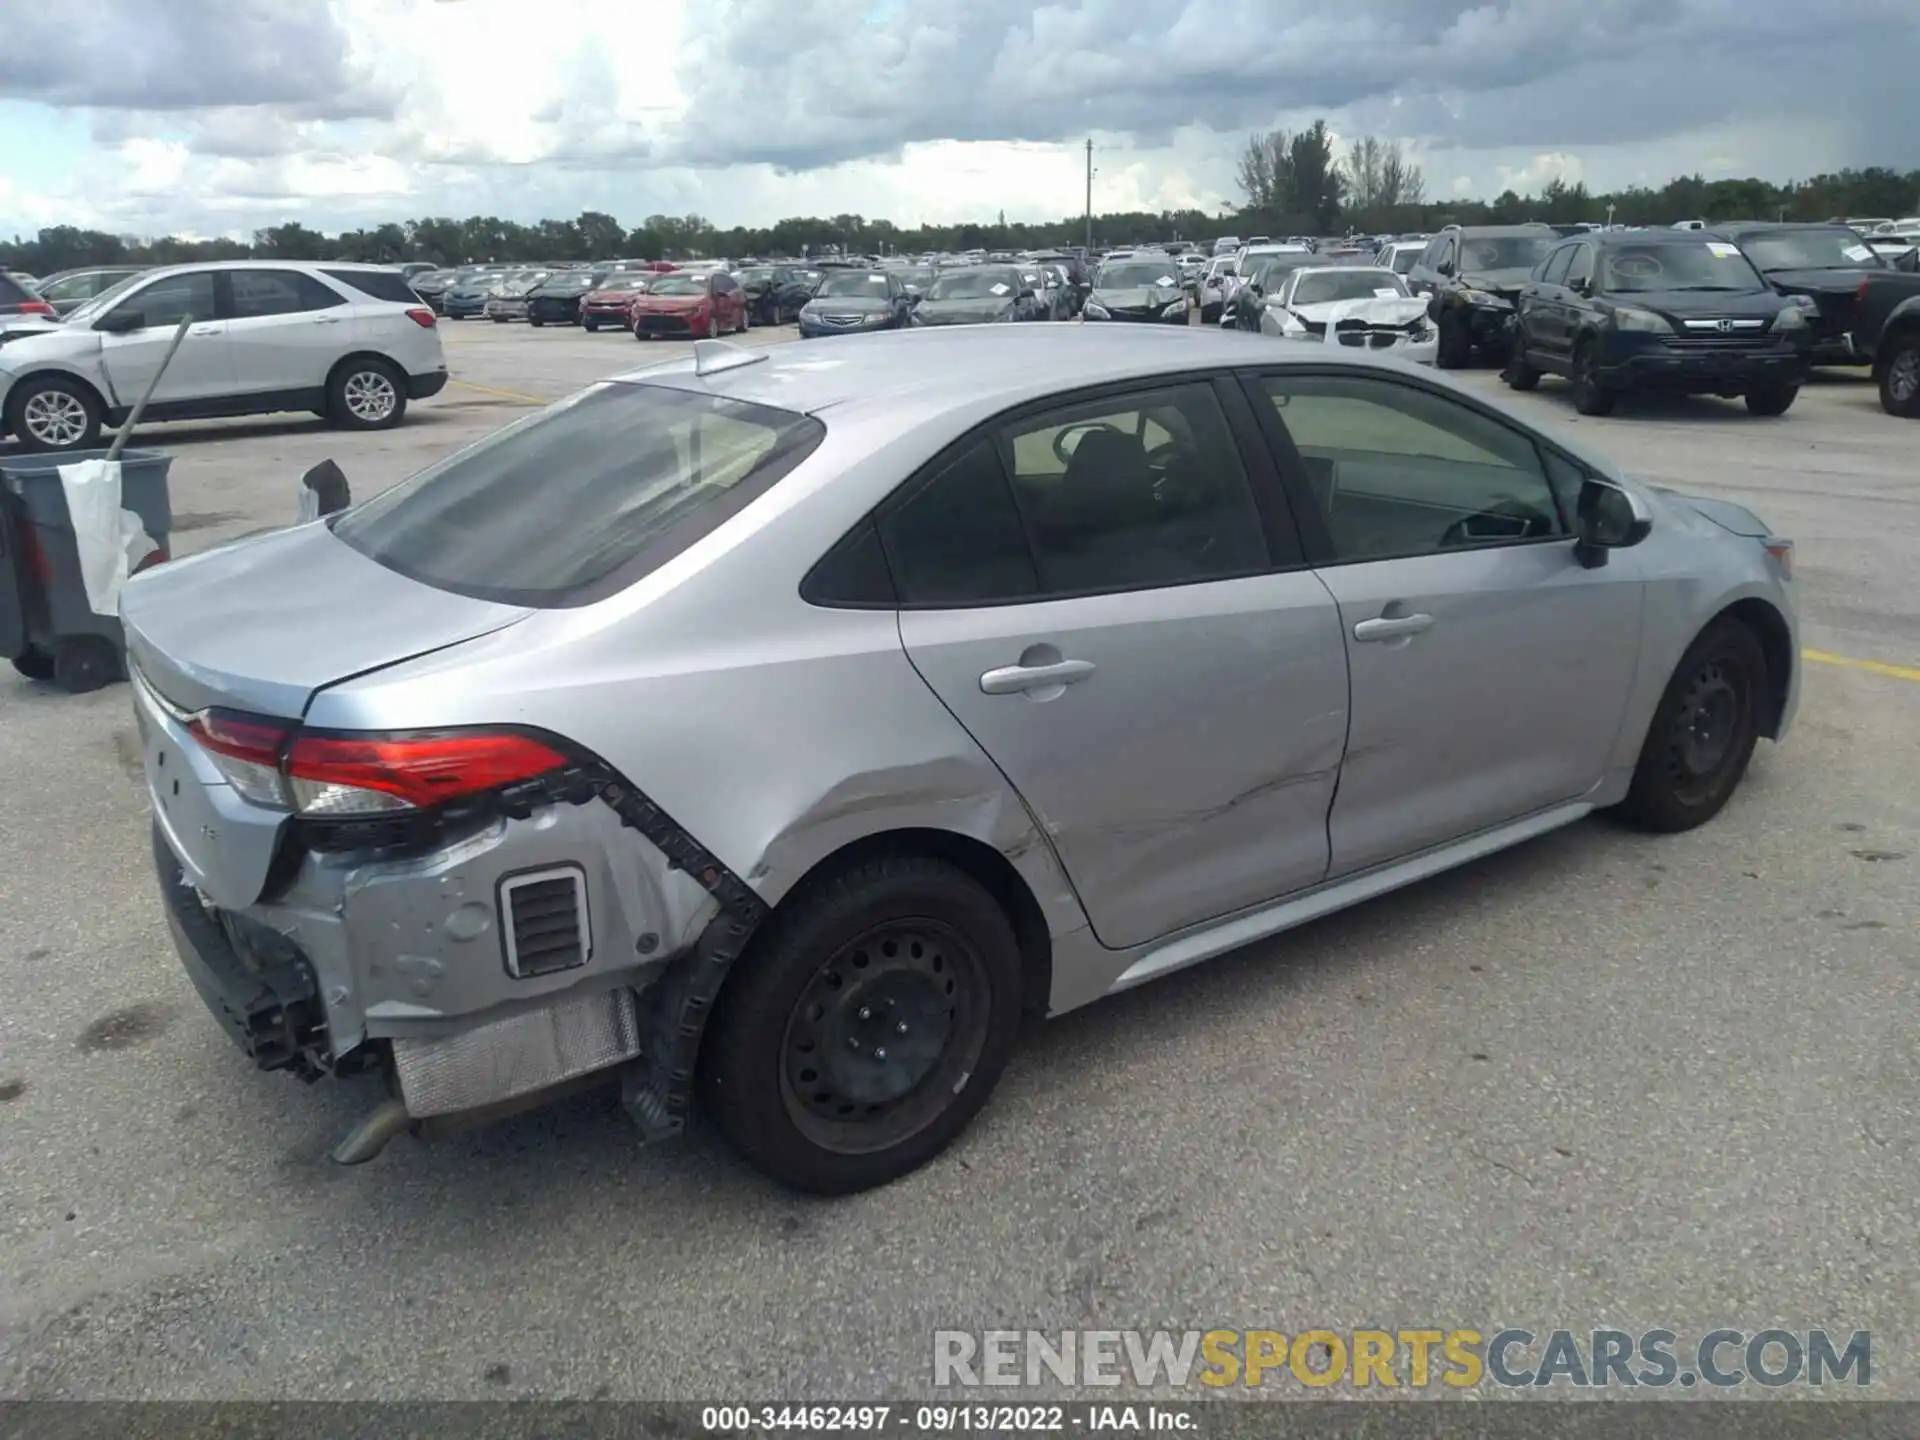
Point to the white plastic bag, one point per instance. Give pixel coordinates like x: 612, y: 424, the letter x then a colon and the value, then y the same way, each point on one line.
x: 111, y: 541
x: 309, y: 505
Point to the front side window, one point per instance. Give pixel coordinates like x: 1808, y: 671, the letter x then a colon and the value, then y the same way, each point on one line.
x: 1135, y: 493
x: 583, y: 498
x: 1396, y: 470
x: 1580, y: 266
x: 175, y: 298
x: 1555, y: 270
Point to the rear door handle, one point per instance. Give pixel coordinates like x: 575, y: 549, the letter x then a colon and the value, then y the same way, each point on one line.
x: 1392, y: 627
x: 204, y: 330
x: 326, y: 320
x: 1016, y: 679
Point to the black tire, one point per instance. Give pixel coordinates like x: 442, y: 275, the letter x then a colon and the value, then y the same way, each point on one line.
x: 1519, y: 375
x: 1898, y: 372
x: 1702, y: 734
x: 1455, y: 348
x: 498, y: 319
x: 1590, y: 397
x: 808, y: 983
x: 34, y: 663
x: 639, y: 335
x: 85, y: 663
x: 535, y: 323
x: 1772, y: 399
x: 590, y: 326
x: 367, y: 393
x: 54, y: 413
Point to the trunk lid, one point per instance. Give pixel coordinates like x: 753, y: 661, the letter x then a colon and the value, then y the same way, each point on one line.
x: 263, y: 623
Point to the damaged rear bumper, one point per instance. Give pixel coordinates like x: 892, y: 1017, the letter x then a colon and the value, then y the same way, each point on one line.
x: 405, y: 965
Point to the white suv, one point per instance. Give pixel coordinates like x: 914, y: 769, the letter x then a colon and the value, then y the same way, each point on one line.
x: 349, y: 342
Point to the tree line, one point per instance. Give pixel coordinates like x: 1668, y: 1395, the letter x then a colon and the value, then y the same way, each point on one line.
x: 1294, y: 183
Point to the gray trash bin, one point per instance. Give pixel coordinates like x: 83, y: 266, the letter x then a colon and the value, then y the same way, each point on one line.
x: 47, y: 627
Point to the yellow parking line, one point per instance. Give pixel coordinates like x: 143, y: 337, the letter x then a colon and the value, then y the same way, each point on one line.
x: 1871, y: 667
x: 513, y: 395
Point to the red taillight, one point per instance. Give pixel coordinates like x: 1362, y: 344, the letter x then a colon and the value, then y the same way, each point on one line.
x: 422, y: 316
x: 35, y: 307
x: 246, y: 749
x: 360, y: 774
x: 1860, y: 293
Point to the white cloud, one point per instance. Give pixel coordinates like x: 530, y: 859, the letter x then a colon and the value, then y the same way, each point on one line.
x: 347, y: 112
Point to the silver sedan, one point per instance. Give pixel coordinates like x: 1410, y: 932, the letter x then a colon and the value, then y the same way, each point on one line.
x: 770, y: 731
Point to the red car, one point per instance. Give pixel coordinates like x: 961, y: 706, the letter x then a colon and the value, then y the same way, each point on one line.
x: 611, y: 301
x: 690, y: 304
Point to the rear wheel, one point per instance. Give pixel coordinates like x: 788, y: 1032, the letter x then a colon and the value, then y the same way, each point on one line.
x: 1900, y: 377
x: 590, y: 326
x: 1772, y: 399
x: 1590, y: 397
x: 865, y: 1026
x: 367, y: 394
x: 1519, y: 375
x: 535, y: 321
x: 1703, y: 732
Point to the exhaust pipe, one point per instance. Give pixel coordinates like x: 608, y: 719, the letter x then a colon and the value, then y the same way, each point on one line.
x: 367, y: 1139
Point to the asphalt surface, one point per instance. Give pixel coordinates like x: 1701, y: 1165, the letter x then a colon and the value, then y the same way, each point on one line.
x: 1601, y: 1080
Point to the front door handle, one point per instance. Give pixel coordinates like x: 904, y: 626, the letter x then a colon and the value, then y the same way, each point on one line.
x: 1392, y: 627
x: 326, y: 320
x: 204, y: 330
x: 1017, y: 679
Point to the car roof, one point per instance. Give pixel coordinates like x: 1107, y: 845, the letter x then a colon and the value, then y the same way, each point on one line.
x: 962, y: 367
x: 1650, y: 237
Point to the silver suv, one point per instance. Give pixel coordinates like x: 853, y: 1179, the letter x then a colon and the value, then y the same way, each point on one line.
x: 775, y: 727
x: 350, y: 342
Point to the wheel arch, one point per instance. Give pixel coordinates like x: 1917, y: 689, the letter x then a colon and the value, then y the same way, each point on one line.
x: 339, y: 366
x: 1902, y: 325
x: 47, y: 371
x: 1776, y: 645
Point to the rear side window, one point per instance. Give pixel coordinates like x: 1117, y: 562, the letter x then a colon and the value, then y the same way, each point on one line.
x: 958, y: 539
x: 258, y: 293
x: 12, y: 292
x: 581, y: 500
x: 380, y: 284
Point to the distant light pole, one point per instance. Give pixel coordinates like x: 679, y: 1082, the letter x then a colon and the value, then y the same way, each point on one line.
x: 1609, y: 217
x: 1089, y: 192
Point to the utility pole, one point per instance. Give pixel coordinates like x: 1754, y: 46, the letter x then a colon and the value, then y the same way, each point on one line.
x: 1089, y: 194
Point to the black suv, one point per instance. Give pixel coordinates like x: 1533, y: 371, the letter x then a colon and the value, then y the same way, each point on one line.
x: 1682, y: 311
x: 1473, y: 275
x: 1822, y: 262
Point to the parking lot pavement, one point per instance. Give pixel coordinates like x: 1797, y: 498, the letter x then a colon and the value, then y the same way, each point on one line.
x: 1605, y: 1079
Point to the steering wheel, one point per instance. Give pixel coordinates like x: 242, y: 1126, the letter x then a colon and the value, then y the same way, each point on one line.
x: 1506, y: 520
x: 1639, y: 266
x: 1063, y: 452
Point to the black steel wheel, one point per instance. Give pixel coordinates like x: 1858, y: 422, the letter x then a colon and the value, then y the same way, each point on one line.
x: 865, y: 1026
x: 1703, y: 732
x: 1590, y: 397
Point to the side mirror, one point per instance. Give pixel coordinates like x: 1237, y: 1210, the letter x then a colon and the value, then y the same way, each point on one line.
x: 1025, y: 295
x: 121, y: 322
x: 327, y: 486
x: 1580, y: 287
x: 1608, y: 518
x: 1445, y: 267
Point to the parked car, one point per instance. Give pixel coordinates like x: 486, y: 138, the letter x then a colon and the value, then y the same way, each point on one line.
x: 1143, y: 288
x: 963, y: 566
x: 1213, y: 285
x: 977, y: 295
x: 432, y: 286
x: 350, y: 342
x: 690, y: 303
x: 849, y: 302
x: 1895, y: 246
x: 775, y: 293
x: 507, y: 300
x: 1399, y: 256
x: 611, y: 301
x: 67, y: 290
x: 1887, y: 332
x: 1823, y: 263
x: 1347, y: 305
x: 466, y: 298
x: 1052, y: 295
x: 19, y: 298
x: 556, y: 300
x: 1473, y: 276
x: 1262, y: 274
x: 1678, y: 311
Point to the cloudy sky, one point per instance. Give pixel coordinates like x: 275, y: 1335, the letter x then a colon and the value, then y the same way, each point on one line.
x: 217, y: 116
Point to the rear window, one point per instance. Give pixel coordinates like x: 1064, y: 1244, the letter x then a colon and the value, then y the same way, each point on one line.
x: 380, y: 284
x: 12, y: 292
x: 581, y: 500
